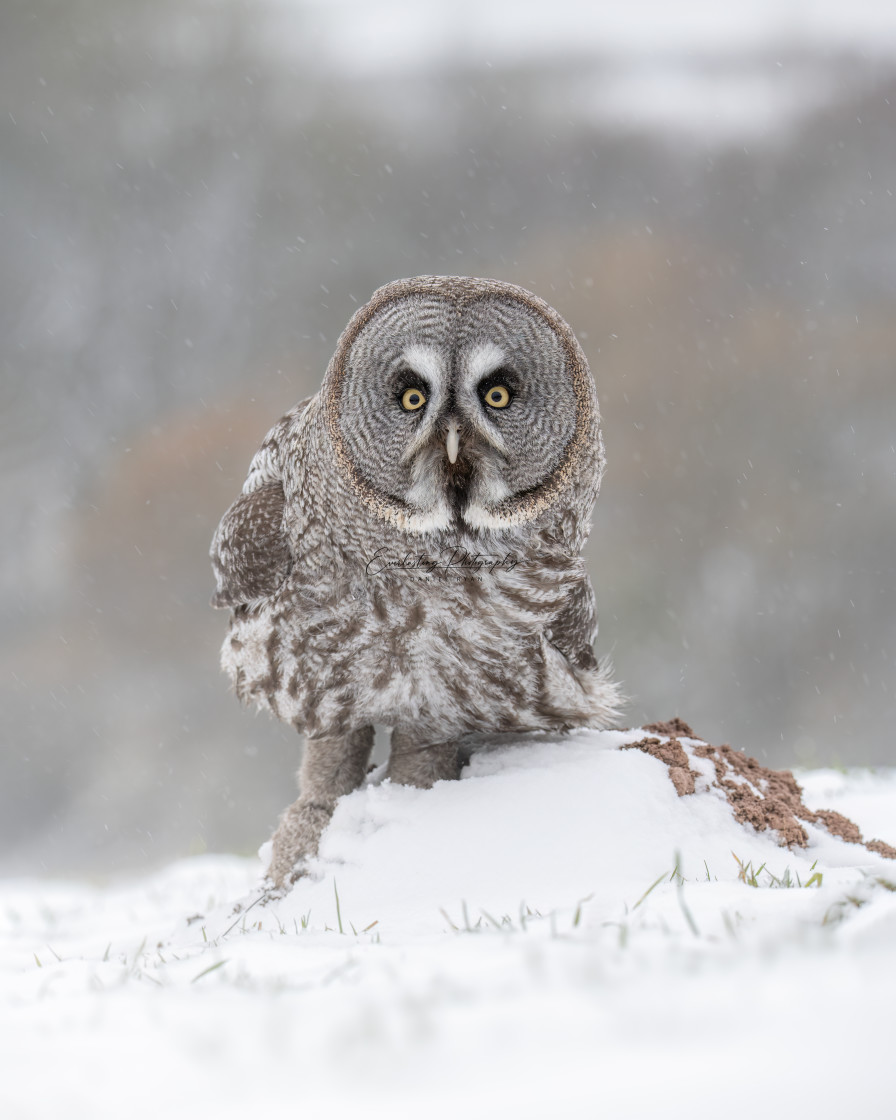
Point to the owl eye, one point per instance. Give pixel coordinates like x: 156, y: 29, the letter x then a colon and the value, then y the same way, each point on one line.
x: 412, y: 399
x: 498, y: 396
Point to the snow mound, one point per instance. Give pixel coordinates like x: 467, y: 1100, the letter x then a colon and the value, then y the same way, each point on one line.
x: 540, y: 823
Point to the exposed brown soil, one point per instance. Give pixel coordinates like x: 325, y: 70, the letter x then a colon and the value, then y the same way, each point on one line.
x: 761, y: 797
x: 766, y: 799
x: 838, y: 825
x: 674, y: 726
x: 672, y: 753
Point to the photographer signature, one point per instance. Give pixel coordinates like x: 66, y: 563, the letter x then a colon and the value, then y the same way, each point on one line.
x: 450, y: 559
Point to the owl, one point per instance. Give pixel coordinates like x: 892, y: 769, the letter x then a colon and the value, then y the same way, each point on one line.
x: 406, y: 550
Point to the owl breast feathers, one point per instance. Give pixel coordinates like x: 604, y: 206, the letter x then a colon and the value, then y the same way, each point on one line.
x: 406, y: 548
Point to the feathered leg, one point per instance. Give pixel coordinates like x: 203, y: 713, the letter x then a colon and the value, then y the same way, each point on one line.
x: 330, y: 768
x: 412, y: 763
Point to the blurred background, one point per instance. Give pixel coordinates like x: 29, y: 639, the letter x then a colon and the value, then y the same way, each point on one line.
x: 195, y: 196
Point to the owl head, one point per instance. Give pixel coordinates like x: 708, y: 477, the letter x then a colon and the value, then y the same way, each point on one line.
x: 454, y: 402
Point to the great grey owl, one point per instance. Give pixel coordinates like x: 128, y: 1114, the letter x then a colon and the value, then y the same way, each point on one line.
x: 406, y: 547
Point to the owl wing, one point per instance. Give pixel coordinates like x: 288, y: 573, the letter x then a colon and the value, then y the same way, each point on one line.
x: 575, y: 627
x: 250, y: 552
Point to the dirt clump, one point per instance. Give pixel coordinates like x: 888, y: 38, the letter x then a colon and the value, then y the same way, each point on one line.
x: 769, y: 800
x: 838, y: 825
x: 674, y: 726
x: 673, y: 754
x: 766, y: 799
x: 882, y: 849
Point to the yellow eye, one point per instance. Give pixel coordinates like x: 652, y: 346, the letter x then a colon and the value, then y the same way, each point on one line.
x: 497, y: 396
x: 412, y: 399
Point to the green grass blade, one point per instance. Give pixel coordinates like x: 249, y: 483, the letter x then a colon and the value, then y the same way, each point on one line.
x: 211, y: 968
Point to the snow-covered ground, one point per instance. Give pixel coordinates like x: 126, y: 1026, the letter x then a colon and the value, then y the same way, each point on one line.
x: 517, y: 943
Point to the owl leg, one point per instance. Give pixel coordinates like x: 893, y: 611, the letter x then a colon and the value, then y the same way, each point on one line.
x: 330, y: 768
x: 412, y: 763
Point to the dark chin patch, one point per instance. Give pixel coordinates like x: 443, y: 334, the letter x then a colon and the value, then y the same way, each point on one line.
x: 458, y: 481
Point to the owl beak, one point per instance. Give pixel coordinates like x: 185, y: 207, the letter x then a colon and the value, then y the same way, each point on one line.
x: 453, y: 442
